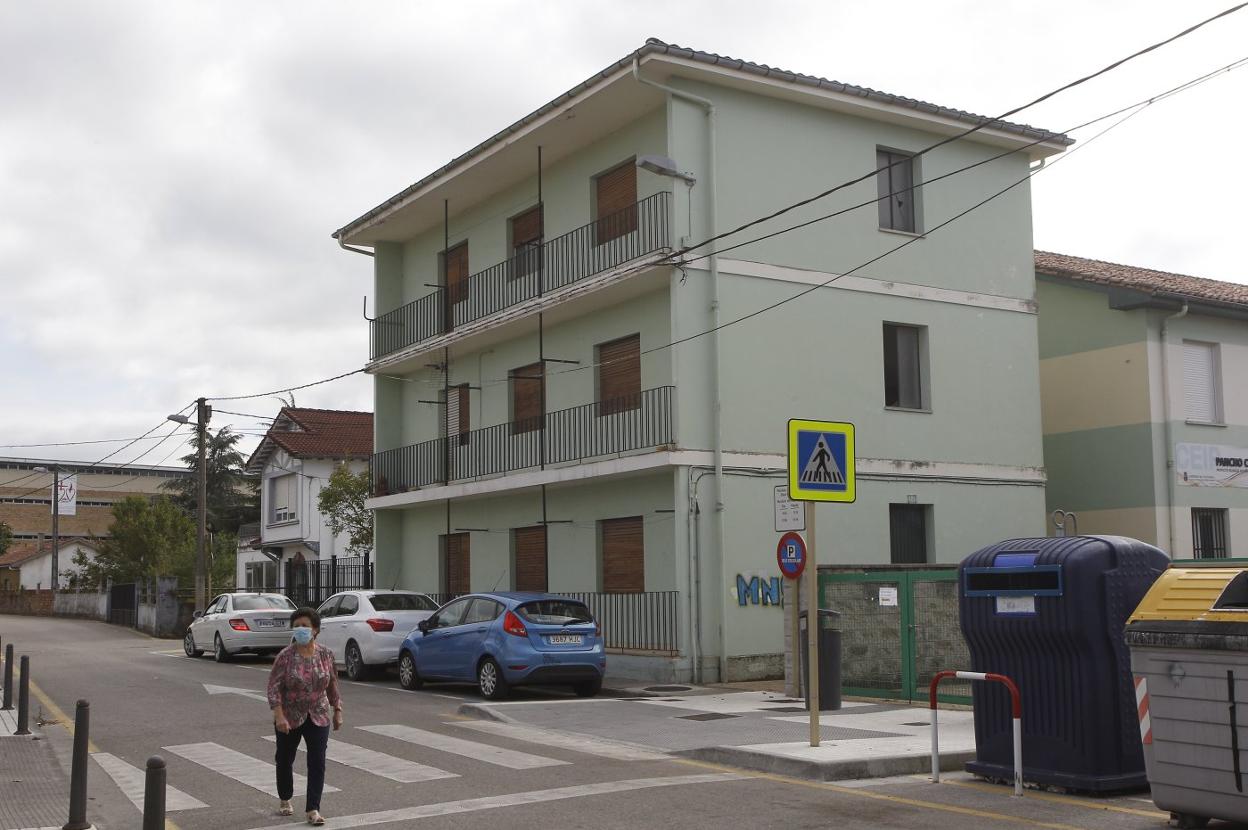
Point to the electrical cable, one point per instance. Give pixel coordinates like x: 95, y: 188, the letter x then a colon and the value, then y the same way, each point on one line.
x: 78, y: 443
x: 289, y: 389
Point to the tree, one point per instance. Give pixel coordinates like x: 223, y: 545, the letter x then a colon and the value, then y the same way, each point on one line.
x: 233, y: 496
x: 342, y: 503
x: 6, y: 537
x: 145, y: 539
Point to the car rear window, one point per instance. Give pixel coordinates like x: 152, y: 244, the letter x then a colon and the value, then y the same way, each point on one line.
x: 402, y: 602
x: 554, y: 612
x: 264, y: 603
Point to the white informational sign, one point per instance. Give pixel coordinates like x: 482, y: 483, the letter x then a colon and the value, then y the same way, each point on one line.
x: 1210, y: 465
x: 67, y: 496
x: 888, y: 596
x: 790, y: 515
x: 1016, y: 605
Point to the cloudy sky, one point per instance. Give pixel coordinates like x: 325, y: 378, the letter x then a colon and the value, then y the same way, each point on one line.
x: 170, y: 171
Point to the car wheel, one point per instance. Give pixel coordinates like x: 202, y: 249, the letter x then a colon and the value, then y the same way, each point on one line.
x: 356, y: 669
x: 490, y: 680
x: 188, y: 645
x: 409, y: 677
x: 589, y: 688
x: 218, y: 650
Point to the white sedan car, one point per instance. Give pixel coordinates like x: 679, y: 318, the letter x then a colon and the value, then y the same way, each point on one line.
x: 366, y: 628
x: 240, y: 623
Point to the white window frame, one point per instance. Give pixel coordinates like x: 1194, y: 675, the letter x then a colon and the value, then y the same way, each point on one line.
x: 290, y: 513
x: 1215, y: 383
x: 923, y: 367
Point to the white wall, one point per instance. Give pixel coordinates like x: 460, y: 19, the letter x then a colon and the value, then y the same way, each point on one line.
x: 37, y: 572
x: 310, y: 527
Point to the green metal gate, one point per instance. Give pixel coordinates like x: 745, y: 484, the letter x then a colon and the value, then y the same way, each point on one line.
x: 899, y: 627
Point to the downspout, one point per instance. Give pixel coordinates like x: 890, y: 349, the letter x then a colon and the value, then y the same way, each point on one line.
x: 354, y: 249
x: 713, y: 266
x: 1165, y: 413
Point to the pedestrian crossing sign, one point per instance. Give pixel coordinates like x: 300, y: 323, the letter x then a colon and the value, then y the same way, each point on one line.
x: 821, y: 461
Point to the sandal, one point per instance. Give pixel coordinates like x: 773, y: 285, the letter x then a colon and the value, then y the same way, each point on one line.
x: 284, y: 808
x: 315, y: 818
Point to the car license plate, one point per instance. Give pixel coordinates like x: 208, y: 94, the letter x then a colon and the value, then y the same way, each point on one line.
x: 566, y: 639
x: 270, y: 623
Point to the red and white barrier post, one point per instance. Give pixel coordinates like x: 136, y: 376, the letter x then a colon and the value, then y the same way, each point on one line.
x: 1016, y: 710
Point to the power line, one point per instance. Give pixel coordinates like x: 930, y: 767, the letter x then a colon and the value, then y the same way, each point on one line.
x: 77, y: 443
x: 289, y: 389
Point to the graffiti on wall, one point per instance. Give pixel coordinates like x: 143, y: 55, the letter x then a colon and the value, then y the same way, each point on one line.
x: 758, y: 590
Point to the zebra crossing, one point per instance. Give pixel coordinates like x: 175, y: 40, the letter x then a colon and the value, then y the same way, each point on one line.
x: 259, y: 774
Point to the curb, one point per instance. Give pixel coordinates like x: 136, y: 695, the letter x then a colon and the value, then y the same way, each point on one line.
x: 483, y: 712
x: 745, y: 758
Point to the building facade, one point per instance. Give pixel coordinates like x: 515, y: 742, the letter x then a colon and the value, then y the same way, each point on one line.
x: 27, y: 564
x: 294, y: 462
x: 574, y: 394
x: 1145, y: 403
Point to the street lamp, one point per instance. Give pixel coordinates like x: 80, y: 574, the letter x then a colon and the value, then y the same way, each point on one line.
x: 203, y: 413
x: 56, y: 519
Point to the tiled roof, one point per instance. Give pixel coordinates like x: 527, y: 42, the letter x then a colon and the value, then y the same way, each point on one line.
x: 1141, y: 279
x: 321, y: 433
x: 656, y: 46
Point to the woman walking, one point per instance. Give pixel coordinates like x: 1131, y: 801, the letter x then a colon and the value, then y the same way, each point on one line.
x: 303, y: 686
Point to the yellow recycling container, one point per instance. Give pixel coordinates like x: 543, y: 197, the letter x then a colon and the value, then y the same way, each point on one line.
x: 1189, y: 654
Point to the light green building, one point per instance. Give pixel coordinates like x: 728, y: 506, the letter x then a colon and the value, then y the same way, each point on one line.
x: 565, y: 403
x: 1144, y: 377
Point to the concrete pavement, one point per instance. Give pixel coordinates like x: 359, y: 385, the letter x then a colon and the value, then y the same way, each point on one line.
x: 409, y: 760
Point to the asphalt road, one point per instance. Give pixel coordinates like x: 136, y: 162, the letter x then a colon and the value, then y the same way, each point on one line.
x: 147, y: 699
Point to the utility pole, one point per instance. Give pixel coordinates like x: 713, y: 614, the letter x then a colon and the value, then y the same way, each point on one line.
x: 56, y: 527
x: 203, y: 412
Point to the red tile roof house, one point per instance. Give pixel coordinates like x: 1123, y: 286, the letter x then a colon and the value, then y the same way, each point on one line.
x: 27, y: 564
x: 294, y: 461
x: 1144, y: 403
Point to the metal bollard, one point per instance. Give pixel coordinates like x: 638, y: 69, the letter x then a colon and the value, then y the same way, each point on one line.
x: 8, y: 677
x: 78, y: 769
x: 23, y: 699
x: 154, y: 794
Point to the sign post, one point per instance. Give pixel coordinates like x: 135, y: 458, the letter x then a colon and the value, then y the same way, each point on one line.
x: 791, y: 558
x: 821, y: 468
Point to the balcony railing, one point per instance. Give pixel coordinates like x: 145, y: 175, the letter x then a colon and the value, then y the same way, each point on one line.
x: 630, y: 622
x: 591, y: 249
x: 635, y: 422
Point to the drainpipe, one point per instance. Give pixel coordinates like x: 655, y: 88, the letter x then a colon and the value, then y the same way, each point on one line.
x: 713, y: 266
x: 1165, y: 413
x: 353, y: 249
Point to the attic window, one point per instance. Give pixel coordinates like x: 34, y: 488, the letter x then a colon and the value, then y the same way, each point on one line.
x: 1235, y: 595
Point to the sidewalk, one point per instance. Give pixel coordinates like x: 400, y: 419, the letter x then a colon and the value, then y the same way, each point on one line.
x: 759, y: 730
x: 34, y: 789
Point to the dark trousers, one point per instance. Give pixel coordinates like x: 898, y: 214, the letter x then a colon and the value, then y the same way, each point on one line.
x: 316, y: 738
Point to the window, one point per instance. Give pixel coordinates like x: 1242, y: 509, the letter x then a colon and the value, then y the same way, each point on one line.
x: 402, y: 602
x: 623, y: 555
x: 619, y: 375
x: 528, y: 546
x: 263, y: 602
x: 456, y: 570
x: 455, y: 264
x: 452, y: 615
x: 1201, y: 390
x: 554, y: 612
x: 526, y: 397
x: 260, y: 575
x: 615, y: 203
x: 282, y: 499
x: 1209, y: 533
x: 905, y: 356
x: 526, y: 242
x: 907, y: 533
x: 350, y: 605
x: 457, y: 405
x: 482, y: 611
x: 895, y: 185
x: 329, y: 608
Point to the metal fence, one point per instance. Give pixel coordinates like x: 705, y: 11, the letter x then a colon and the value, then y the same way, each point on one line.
x: 645, y: 419
x: 591, y: 249
x: 311, y: 583
x: 630, y: 622
x: 899, y: 627
x: 123, y: 604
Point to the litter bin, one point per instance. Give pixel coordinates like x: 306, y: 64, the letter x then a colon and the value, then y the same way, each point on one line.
x: 1189, y: 653
x: 829, y: 659
x: 1049, y: 614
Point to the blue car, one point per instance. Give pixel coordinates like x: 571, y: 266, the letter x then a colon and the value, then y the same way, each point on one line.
x: 501, y: 640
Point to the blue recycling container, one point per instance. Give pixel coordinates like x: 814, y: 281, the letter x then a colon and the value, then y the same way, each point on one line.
x: 1050, y: 615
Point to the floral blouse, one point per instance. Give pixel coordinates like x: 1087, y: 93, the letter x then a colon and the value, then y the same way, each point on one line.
x: 305, y: 687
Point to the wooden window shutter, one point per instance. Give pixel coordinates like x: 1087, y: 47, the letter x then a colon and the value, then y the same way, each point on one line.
x: 457, y: 413
x: 623, y: 556
x: 526, y: 242
x: 458, y: 560
x: 619, y: 375
x: 457, y: 273
x: 526, y: 397
x: 616, y: 203
x: 529, y: 544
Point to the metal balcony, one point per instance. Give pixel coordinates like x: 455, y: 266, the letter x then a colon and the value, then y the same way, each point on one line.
x: 635, y: 422
x: 599, y: 246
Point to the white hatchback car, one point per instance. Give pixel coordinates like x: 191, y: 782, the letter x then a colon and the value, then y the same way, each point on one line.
x: 240, y: 623
x: 366, y: 628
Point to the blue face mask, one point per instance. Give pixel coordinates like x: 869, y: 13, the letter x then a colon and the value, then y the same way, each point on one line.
x: 302, y: 636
